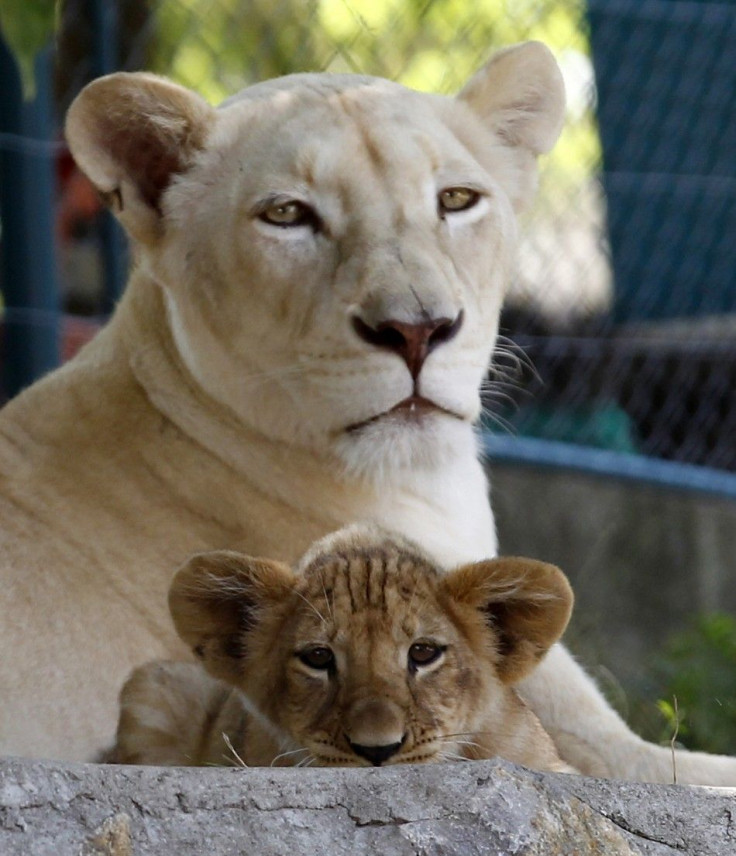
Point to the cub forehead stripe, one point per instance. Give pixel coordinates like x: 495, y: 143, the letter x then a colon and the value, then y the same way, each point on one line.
x: 364, y: 576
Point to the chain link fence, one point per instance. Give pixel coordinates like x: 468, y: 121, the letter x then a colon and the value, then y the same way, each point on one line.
x: 655, y: 372
x: 618, y: 331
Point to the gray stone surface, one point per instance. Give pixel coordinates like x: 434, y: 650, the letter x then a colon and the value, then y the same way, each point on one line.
x: 489, y: 808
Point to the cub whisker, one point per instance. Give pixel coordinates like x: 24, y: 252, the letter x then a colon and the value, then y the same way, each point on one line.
x: 327, y: 599
x: 286, y: 755
x: 312, y: 606
x: 455, y: 741
x: 235, y: 754
x: 451, y: 756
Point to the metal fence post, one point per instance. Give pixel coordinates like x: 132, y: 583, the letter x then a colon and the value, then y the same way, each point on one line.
x: 105, y: 60
x: 27, y: 257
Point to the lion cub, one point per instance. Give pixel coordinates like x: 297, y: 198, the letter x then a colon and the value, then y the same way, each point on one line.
x: 365, y: 654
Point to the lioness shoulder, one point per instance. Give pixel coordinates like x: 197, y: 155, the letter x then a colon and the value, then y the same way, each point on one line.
x: 364, y: 654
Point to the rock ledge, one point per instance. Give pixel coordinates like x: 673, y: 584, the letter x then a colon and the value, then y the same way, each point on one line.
x: 488, y: 807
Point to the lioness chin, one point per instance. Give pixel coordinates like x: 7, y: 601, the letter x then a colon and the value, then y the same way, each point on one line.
x: 364, y: 654
x: 314, y: 298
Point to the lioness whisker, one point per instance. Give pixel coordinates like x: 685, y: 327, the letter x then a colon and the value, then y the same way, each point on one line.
x: 500, y: 421
x: 496, y: 395
x: 515, y: 355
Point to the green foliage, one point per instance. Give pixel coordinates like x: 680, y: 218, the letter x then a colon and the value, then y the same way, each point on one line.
x: 427, y: 44
x: 698, y: 669
x: 431, y: 45
x: 217, y: 46
x: 26, y: 26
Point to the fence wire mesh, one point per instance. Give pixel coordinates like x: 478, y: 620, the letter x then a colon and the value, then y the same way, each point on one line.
x: 618, y: 329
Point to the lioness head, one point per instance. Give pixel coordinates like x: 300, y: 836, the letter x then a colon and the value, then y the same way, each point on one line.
x: 332, y: 249
x: 368, y: 654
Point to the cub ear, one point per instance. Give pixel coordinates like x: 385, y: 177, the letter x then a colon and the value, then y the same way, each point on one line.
x: 520, y: 94
x: 216, y: 598
x: 131, y: 133
x: 525, y: 603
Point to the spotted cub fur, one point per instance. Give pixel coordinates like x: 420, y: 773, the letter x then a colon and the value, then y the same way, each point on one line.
x: 364, y: 654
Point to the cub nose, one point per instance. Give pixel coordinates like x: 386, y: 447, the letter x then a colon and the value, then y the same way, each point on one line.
x: 412, y: 342
x: 376, y: 754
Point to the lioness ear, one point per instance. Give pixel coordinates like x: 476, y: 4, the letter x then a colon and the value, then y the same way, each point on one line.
x: 526, y: 604
x: 520, y: 94
x: 131, y: 133
x: 216, y: 598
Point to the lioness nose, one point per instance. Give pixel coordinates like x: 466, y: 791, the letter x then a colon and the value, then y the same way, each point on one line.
x: 412, y: 342
x: 376, y: 754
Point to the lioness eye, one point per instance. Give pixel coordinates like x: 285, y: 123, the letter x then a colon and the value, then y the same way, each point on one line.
x: 318, y: 657
x: 424, y: 653
x: 289, y: 214
x: 457, y: 199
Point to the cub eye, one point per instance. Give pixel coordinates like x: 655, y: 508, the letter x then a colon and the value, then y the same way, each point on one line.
x: 453, y: 199
x: 289, y: 214
x: 317, y: 657
x: 424, y: 653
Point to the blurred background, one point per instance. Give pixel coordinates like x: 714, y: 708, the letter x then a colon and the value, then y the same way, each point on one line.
x: 610, y: 418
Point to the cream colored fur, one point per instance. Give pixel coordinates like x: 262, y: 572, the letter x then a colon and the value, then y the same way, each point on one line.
x: 414, y: 665
x: 231, y: 402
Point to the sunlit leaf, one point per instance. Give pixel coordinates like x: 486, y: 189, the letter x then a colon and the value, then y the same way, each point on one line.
x: 27, y: 26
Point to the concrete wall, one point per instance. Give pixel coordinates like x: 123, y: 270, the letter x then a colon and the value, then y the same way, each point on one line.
x: 642, y: 560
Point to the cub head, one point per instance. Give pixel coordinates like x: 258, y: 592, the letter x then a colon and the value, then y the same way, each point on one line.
x: 332, y: 250
x: 368, y: 654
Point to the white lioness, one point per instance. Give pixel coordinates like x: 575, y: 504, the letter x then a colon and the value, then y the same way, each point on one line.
x: 319, y: 266
x: 365, y: 654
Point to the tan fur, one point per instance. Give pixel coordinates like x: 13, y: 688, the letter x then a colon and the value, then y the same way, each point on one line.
x: 367, y: 599
x: 220, y: 406
x: 230, y: 403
